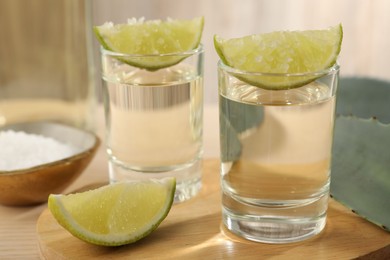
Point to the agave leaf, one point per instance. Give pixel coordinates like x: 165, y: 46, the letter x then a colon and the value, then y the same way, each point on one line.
x: 364, y: 98
x: 361, y: 158
x: 230, y: 144
x: 234, y: 119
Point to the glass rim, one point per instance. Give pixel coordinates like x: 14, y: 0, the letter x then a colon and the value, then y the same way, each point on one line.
x: 227, y: 68
x: 197, y: 50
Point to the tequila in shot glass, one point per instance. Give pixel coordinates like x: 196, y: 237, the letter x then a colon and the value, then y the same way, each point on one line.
x: 276, y: 145
x: 154, y: 117
x: 276, y: 155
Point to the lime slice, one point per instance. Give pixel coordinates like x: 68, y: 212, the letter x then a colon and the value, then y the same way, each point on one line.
x: 115, y: 214
x: 164, y: 42
x: 306, y: 55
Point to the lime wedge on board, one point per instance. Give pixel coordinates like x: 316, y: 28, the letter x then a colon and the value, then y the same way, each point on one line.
x: 115, y: 214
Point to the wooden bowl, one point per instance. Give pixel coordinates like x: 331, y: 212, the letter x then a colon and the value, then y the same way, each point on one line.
x: 33, y: 185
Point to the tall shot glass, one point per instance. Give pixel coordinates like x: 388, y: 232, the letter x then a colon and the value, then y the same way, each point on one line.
x: 276, y: 154
x: 154, y: 119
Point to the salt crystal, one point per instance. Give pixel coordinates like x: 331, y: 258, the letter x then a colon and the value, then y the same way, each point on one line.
x: 20, y: 150
x: 134, y: 20
x: 108, y: 25
x: 259, y: 58
x: 160, y: 41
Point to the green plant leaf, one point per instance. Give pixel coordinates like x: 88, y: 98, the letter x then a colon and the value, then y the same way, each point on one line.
x: 364, y: 98
x: 361, y: 160
x: 234, y: 119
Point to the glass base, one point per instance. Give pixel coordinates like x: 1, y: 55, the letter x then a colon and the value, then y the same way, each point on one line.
x: 188, y: 177
x: 273, y: 230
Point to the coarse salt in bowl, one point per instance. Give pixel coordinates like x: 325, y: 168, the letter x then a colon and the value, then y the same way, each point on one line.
x: 20, y: 150
x: 40, y: 158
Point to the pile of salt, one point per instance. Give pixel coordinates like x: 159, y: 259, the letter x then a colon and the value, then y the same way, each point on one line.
x: 20, y: 150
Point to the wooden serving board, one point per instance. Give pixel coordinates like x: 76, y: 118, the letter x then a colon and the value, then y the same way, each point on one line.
x: 193, y: 230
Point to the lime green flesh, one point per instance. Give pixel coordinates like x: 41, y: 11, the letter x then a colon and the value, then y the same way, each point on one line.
x: 115, y: 214
x: 282, y: 52
x: 153, y: 37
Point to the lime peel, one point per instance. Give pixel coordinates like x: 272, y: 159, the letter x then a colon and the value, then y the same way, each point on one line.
x: 115, y: 214
x: 281, y: 60
x: 152, y: 44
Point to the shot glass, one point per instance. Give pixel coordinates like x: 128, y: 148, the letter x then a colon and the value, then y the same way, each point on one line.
x: 276, y: 154
x: 154, y: 118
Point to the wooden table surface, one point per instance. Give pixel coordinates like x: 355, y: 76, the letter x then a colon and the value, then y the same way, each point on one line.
x: 192, y: 229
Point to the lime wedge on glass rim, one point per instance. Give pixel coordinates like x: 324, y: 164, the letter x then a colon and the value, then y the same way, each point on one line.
x: 115, y: 214
x: 152, y: 44
x: 303, y: 55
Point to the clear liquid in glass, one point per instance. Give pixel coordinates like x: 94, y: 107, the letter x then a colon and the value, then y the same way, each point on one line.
x: 276, y: 154
x: 154, y: 126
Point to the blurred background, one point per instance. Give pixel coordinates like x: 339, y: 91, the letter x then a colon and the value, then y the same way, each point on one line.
x: 366, y: 44
x: 48, y: 51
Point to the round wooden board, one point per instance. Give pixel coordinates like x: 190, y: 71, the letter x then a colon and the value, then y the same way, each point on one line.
x: 193, y: 230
